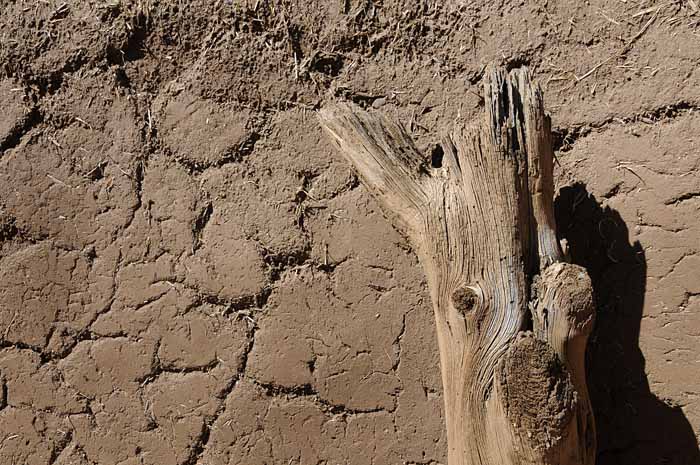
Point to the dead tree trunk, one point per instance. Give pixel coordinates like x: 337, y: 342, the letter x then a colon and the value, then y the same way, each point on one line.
x: 512, y: 318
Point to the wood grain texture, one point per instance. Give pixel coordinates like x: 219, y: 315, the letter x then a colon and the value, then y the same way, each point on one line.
x: 483, y: 226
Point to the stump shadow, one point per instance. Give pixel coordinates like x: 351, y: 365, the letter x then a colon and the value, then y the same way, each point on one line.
x: 634, y: 426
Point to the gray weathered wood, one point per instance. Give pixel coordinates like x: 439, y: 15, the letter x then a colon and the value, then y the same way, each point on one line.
x: 483, y: 226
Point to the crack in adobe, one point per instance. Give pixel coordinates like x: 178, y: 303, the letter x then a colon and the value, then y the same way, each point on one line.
x: 158, y: 369
x: 8, y: 228
x: 19, y: 345
x: 564, y: 138
x: 201, y: 442
x: 397, y: 341
x: 239, y: 304
x: 49, y: 83
x: 199, y: 224
x: 306, y: 391
x: 683, y: 198
x: 278, y: 263
x: 13, y: 139
x: 61, y: 445
x: 3, y: 393
x: 233, y: 155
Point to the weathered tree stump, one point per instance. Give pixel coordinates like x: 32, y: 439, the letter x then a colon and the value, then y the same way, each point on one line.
x: 512, y: 318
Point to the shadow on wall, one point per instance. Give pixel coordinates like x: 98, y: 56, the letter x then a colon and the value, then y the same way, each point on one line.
x: 634, y: 426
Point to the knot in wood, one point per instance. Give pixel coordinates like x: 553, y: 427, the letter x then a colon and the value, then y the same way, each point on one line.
x: 466, y: 299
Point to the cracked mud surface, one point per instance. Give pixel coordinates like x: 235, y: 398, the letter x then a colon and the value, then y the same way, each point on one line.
x: 189, y: 274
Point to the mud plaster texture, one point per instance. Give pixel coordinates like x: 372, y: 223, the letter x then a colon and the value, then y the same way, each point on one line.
x: 189, y: 274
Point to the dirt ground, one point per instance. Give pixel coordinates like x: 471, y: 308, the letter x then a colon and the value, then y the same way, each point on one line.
x: 190, y: 274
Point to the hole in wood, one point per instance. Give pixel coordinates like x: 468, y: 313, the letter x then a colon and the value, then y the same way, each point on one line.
x: 465, y: 299
x: 436, y: 156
